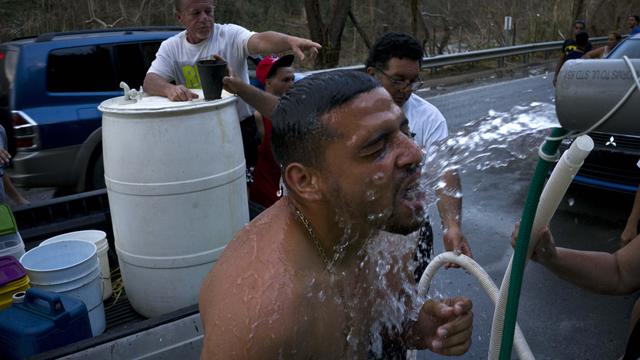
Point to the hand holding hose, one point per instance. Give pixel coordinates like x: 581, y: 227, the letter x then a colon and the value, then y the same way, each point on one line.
x: 545, y: 250
x: 443, y: 327
x: 454, y: 240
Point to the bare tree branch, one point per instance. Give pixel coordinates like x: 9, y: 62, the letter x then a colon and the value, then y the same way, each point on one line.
x: 93, y: 17
x: 361, y: 31
x: 140, y: 11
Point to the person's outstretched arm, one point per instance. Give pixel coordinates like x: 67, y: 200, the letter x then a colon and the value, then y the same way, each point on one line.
x: 631, y: 229
x: 594, y: 54
x: 597, y: 271
x: 450, y: 210
x: 262, y: 101
x: 269, y: 42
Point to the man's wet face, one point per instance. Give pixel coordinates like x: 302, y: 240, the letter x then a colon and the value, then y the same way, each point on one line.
x: 371, y: 171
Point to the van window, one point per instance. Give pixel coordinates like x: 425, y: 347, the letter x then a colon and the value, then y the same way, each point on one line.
x: 133, y: 61
x: 81, y: 69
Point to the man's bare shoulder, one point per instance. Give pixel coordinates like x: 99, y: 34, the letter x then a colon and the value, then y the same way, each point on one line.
x: 251, y: 294
x: 251, y: 253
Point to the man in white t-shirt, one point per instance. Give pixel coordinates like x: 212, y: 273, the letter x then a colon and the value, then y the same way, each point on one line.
x: 395, y: 61
x: 176, y: 59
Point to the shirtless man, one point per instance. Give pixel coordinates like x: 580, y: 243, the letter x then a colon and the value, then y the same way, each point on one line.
x: 320, y: 274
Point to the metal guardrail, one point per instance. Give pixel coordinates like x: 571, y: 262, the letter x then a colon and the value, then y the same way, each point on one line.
x: 499, y: 54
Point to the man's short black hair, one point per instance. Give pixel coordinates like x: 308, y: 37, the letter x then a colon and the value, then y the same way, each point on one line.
x: 637, y: 17
x: 581, y: 22
x: 394, y: 45
x: 299, y: 133
x: 582, y: 39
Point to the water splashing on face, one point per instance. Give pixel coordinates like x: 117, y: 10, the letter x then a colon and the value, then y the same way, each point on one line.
x: 490, y: 142
x: 378, y: 296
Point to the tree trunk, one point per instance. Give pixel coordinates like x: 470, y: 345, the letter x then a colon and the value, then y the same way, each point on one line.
x: 577, y: 12
x: 425, y: 29
x: 415, y: 13
x: 444, y: 41
x: 328, y: 35
x: 361, y: 31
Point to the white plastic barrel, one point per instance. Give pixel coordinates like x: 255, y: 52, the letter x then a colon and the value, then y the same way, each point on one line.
x: 69, y: 267
x: 99, y: 238
x: 175, y: 176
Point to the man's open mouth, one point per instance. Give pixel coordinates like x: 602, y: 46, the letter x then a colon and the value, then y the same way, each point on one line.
x: 413, y: 195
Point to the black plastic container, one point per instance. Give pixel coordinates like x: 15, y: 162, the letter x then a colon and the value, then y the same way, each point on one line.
x: 211, y: 73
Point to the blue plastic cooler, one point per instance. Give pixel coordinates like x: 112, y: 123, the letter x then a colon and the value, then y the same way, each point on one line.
x: 44, y: 321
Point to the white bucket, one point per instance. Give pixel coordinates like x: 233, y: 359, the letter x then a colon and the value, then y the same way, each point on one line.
x: 12, y: 245
x: 175, y: 176
x: 99, y: 238
x: 69, y: 267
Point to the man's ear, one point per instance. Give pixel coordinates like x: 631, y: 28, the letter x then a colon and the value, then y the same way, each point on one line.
x: 371, y: 70
x: 304, y: 181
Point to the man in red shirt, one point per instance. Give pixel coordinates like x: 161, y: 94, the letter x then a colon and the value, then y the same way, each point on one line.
x: 276, y: 75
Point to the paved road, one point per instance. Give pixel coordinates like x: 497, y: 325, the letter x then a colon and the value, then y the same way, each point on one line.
x: 559, y: 320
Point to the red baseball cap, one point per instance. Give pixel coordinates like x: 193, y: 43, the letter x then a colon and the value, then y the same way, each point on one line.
x: 270, y: 64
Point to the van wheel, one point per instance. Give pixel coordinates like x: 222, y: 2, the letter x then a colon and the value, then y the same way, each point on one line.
x: 95, y: 180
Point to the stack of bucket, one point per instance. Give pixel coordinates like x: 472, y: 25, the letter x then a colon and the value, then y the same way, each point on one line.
x: 99, y: 238
x: 69, y: 267
x: 13, y: 279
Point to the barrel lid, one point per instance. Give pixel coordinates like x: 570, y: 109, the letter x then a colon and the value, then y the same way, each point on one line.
x: 10, y: 270
x: 149, y: 103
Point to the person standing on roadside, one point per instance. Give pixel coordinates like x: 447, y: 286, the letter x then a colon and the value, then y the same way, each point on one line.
x: 394, y: 60
x: 634, y: 24
x: 276, y: 75
x: 570, y: 45
x: 613, y: 40
x: 174, y: 71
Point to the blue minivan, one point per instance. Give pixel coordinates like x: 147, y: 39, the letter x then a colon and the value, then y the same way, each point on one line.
x: 50, y: 87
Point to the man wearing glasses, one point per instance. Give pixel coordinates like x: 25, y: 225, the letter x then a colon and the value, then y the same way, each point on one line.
x: 395, y: 60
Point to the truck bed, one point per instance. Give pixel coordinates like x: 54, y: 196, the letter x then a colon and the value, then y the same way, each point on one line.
x: 128, y: 335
